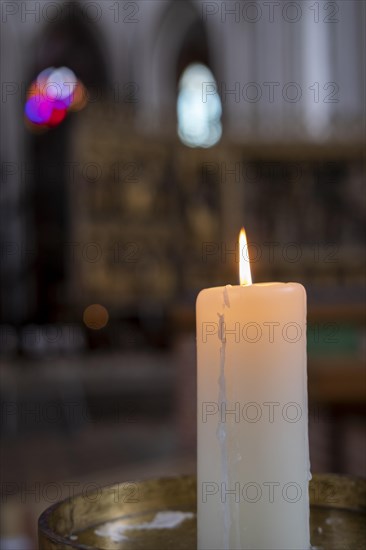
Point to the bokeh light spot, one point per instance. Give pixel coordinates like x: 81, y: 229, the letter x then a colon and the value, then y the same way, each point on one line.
x: 95, y: 316
x: 199, y: 107
x: 51, y: 95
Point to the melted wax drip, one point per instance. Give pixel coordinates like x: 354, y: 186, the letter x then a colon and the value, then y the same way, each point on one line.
x: 221, y: 431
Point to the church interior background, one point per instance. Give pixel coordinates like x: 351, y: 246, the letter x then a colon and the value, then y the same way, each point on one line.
x: 187, y: 120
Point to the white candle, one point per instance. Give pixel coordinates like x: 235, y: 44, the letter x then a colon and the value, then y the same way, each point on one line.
x: 253, y: 451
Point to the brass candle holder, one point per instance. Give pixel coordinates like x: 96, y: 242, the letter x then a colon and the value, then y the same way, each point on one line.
x: 338, y: 505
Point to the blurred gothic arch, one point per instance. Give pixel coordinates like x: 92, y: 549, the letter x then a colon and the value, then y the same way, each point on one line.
x: 72, y: 42
x: 175, y: 37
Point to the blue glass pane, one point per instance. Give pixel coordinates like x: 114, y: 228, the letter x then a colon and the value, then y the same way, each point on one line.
x: 199, y: 107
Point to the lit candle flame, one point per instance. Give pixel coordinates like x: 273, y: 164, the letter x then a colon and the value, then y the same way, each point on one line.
x: 245, y: 275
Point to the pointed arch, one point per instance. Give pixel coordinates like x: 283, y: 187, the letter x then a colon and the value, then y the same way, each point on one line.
x: 180, y: 37
x: 74, y: 42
